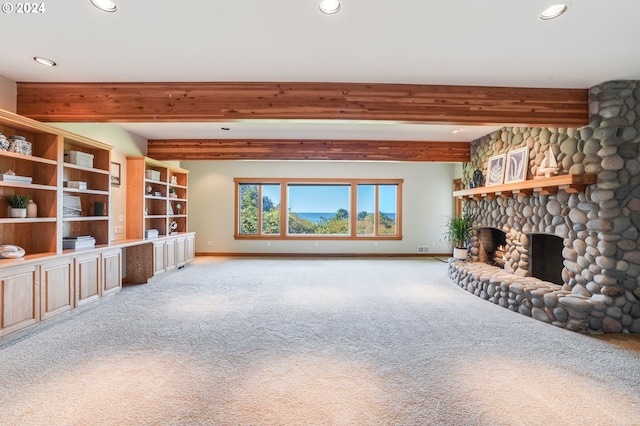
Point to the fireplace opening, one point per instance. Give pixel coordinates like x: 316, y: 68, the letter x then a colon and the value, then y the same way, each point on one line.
x: 493, y: 243
x: 545, y: 254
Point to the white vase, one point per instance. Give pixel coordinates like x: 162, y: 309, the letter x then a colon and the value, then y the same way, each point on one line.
x: 32, y: 209
x: 460, y: 253
x: 18, y: 212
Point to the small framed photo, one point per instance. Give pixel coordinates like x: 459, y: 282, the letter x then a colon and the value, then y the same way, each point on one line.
x: 115, y: 174
x: 495, y: 170
x: 517, y: 165
x: 71, y: 205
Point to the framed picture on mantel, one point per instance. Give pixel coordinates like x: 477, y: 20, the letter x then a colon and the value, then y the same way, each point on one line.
x: 495, y: 170
x: 517, y: 164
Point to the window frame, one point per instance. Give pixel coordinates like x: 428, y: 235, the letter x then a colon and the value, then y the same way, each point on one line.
x: 284, y: 210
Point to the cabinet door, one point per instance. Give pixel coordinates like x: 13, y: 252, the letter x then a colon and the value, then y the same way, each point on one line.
x: 56, y: 288
x: 181, y: 254
x: 111, y: 271
x: 190, y: 248
x: 20, y: 299
x: 158, y: 257
x: 170, y: 251
x: 87, y: 278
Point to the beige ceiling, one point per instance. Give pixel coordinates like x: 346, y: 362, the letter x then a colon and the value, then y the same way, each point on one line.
x: 453, y: 42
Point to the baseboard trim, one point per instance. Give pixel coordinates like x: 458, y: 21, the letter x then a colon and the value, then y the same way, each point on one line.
x: 240, y: 254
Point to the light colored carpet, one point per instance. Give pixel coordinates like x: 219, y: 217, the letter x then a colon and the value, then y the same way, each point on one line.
x: 312, y: 342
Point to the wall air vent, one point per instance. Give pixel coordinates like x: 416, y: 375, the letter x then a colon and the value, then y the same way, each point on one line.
x: 423, y: 249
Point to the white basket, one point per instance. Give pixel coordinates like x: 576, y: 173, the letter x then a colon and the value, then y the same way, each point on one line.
x: 79, y: 158
x: 152, y: 174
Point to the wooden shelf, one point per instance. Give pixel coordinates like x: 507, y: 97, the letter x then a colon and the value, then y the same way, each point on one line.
x: 28, y: 186
x: 86, y: 169
x: 84, y: 191
x: 5, y: 220
x: 28, y: 158
x: 158, y: 206
x: 83, y: 218
x: 542, y: 186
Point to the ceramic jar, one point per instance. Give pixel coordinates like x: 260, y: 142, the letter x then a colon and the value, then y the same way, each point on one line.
x: 4, y: 143
x: 19, y: 145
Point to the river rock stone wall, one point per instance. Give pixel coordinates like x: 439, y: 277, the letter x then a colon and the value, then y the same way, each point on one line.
x: 600, y: 226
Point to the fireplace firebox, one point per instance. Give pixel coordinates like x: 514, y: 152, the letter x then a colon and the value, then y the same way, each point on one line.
x: 492, y: 246
x: 546, y: 258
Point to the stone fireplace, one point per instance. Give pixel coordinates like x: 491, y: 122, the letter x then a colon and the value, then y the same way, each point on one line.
x: 571, y: 258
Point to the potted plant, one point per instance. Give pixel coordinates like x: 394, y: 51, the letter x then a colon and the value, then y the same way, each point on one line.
x: 18, y: 205
x: 458, y: 230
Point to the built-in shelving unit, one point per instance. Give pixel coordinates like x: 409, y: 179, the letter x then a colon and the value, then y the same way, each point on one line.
x: 542, y: 186
x: 48, y: 170
x: 156, y: 198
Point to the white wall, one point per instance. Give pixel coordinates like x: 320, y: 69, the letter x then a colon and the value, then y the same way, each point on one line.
x: 124, y: 143
x: 8, y: 94
x: 427, y: 202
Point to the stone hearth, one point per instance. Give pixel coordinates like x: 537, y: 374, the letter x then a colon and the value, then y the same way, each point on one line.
x: 600, y: 258
x: 530, y: 296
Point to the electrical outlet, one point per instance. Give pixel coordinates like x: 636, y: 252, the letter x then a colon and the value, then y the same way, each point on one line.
x: 118, y: 229
x: 209, y: 243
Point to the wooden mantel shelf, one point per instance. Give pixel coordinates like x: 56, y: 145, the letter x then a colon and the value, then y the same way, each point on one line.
x: 542, y: 186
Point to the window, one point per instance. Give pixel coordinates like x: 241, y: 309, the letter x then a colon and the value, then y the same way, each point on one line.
x: 318, y: 208
x: 259, y: 218
x: 377, y: 209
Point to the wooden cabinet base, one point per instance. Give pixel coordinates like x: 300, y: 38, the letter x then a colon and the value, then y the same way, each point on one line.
x: 20, y: 299
x: 47, y: 287
x: 150, y: 258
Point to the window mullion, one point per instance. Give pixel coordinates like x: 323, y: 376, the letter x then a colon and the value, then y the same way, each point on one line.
x: 353, y: 215
x: 284, y: 209
x: 259, y: 209
x: 376, y: 216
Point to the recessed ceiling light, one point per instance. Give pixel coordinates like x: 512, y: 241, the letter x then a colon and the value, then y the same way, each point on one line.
x: 44, y: 61
x: 329, y: 6
x: 457, y: 131
x: 106, y: 5
x: 553, y: 11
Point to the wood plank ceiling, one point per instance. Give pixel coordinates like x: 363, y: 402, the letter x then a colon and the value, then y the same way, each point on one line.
x: 183, y: 102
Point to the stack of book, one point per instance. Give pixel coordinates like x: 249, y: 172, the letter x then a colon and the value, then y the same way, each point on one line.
x: 79, y: 242
x: 15, y: 178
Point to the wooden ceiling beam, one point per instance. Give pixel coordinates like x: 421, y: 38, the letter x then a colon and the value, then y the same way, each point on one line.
x: 348, y: 150
x: 411, y: 103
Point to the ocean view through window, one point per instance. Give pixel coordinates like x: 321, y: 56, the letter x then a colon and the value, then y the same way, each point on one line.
x: 318, y: 208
